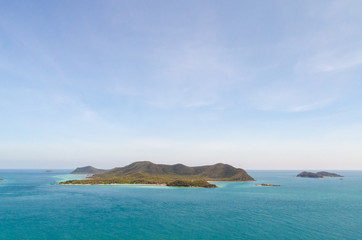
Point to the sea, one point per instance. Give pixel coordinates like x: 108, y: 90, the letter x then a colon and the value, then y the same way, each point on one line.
x: 32, y: 206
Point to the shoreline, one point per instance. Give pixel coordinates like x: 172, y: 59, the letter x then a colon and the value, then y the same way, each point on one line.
x: 210, y: 181
x: 129, y: 184
x: 140, y: 184
x: 102, y: 184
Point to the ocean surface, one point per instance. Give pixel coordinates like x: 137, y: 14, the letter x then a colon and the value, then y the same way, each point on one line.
x: 32, y: 207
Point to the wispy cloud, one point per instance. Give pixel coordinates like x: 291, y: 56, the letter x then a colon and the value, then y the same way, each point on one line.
x: 318, y: 64
x: 310, y: 107
x: 191, y: 75
x: 199, y: 104
x: 137, y: 80
x: 325, y: 60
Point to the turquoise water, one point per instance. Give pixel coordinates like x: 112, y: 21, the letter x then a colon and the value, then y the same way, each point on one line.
x: 31, y: 207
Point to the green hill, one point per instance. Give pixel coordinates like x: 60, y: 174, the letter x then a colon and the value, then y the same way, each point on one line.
x: 217, y: 172
x: 171, y: 175
x: 88, y: 170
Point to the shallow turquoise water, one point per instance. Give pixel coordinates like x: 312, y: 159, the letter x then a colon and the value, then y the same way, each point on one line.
x: 31, y: 207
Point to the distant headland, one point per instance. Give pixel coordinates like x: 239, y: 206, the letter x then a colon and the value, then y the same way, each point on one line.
x: 1, y: 179
x: 317, y: 175
x: 177, y: 175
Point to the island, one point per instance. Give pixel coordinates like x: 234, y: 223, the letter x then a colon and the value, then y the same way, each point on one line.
x: 88, y: 170
x: 1, y: 179
x: 177, y: 175
x: 49, y: 171
x: 317, y: 175
x: 268, y: 185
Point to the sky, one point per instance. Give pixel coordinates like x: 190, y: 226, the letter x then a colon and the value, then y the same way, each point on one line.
x: 255, y: 84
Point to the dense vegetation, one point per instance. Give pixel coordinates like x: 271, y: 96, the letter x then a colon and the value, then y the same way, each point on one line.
x: 111, y: 181
x: 217, y: 172
x: 171, y: 175
x: 191, y: 183
x: 175, y: 183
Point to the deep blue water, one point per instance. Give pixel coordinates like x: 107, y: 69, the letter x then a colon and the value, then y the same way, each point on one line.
x: 32, y: 207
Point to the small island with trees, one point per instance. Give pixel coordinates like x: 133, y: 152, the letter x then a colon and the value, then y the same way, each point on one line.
x: 177, y: 175
x: 317, y: 175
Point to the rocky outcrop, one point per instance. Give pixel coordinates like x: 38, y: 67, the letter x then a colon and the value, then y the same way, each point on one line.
x: 268, y: 185
x: 317, y: 175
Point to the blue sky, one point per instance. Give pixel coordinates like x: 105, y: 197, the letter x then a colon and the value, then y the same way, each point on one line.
x: 256, y: 84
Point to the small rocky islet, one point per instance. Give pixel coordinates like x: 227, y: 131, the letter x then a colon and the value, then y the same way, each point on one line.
x: 322, y: 174
x: 268, y: 185
x: 177, y: 175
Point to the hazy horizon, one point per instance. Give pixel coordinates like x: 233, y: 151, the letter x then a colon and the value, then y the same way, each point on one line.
x: 99, y: 166
x: 254, y: 84
x: 73, y: 168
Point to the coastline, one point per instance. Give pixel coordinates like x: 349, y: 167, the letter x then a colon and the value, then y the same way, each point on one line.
x: 141, y: 184
x: 102, y: 184
x: 129, y: 184
x: 210, y: 181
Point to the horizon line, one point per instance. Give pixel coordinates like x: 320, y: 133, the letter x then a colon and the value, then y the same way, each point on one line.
x: 302, y: 169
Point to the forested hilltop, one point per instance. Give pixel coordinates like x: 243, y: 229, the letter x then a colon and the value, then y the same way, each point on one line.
x: 171, y: 175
